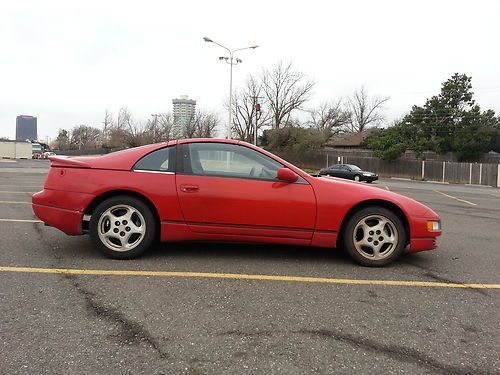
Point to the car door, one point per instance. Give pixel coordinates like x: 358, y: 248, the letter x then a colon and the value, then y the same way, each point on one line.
x: 336, y: 171
x: 226, y: 188
x: 340, y: 171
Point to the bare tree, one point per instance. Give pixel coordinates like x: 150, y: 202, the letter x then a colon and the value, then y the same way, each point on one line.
x: 107, y: 123
x: 158, y: 129
x: 202, y: 125
x: 330, y: 118
x: 286, y: 90
x: 126, y: 132
x: 84, y: 137
x: 244, y: 110
x: 365, y: 110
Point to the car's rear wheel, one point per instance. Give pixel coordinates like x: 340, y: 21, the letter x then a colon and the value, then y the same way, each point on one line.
x: 122, y: 227
x: 374, y: 236
x: 357, y: 177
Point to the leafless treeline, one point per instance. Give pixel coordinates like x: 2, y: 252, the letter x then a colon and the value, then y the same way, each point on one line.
x: 282, y: 94
x: 126, y: 131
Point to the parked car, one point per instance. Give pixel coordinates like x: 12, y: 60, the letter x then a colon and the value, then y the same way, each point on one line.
x: 349, y: 171
x: 224, y: 190
x: 47, y: 154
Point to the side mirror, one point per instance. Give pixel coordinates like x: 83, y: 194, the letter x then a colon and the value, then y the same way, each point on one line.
x: 287, y: 175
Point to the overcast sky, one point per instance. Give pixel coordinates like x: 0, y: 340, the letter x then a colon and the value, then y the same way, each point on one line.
x: 67, y: 62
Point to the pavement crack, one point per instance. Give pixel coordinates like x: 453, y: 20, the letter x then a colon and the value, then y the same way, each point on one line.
x: 130, y: 332
x: 396, y: 352
x: 430, y: 273
x: 399, y: 353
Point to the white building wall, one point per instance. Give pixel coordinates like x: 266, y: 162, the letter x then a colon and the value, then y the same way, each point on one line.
x: 15, y: 150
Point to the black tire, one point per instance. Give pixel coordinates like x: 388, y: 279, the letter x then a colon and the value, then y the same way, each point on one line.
x: 360, y: 251
x: 141, y: 214
x: 357, y: 177
x: 369, y: 181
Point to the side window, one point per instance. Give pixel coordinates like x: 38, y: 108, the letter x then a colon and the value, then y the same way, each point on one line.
x: 228, y: 160
x: 161, y: 160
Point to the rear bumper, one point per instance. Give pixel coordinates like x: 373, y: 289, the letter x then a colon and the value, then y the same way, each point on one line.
x: 68, y: 221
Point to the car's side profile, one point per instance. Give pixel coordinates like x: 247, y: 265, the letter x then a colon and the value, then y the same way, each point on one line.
x: 348, y: 171
x: 223, y: 190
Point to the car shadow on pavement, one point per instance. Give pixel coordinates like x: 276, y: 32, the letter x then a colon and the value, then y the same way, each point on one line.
x: 242, y: 252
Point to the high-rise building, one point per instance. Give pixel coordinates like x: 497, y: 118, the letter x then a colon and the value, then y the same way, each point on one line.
x: 26, y: 128
x: 184, y: 112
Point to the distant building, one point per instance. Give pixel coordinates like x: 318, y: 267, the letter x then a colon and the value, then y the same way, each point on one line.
x: 351, y: 140
x: 184, y: 112
x: 26, y: 128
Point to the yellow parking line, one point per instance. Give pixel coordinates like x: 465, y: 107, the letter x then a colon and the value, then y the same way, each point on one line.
x: 21, y: 221
x: 14, y: 202
x: 321, y: 280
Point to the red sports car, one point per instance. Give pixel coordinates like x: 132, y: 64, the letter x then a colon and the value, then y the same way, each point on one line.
x: 224, y: 190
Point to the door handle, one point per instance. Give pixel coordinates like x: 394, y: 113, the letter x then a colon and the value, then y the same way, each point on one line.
x: 189, y: 188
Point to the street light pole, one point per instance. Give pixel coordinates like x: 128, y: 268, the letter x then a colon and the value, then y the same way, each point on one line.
x: 231, y: 61
x: 230, y: 96
x: 155, y: 116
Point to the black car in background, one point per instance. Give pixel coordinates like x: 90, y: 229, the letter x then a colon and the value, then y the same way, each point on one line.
x: 349, y: 171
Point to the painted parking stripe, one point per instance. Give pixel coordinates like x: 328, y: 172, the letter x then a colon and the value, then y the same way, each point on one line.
x: 320, y: 280
x: 21, y: 221
x: 457, y: 199
x: 496, y: 195
x: 14, y: 202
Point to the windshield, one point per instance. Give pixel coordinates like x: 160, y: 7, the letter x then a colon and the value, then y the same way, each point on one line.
x: 354, y: 167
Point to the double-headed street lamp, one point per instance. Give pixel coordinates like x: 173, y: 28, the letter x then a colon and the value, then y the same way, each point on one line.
x: 231, y: 60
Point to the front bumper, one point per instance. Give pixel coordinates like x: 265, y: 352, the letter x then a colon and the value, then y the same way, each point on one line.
x: 422, y: 244
x: 369, y: 178
x: 421, y: 238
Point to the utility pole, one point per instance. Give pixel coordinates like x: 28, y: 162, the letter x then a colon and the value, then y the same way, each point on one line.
x: 155, y: 121
x: 106, y: 123
x: 258, y: 113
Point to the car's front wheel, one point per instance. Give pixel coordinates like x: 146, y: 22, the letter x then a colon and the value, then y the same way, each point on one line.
x: 374, y: 236
x: 122, y: 227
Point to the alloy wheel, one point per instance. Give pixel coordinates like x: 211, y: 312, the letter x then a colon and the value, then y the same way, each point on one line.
x: 375, y: 237
x: 121, y: 228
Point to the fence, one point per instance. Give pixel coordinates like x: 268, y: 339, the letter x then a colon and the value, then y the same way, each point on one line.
x: 442, y: 171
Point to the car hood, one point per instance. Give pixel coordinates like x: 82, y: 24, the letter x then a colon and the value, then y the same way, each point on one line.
x: 356, y: 192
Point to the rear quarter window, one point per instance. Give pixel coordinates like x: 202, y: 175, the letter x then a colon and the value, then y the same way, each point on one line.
x: 161, y: 160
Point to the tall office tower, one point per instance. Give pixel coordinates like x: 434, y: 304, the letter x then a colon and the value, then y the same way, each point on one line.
x: 184, y: 112
x: 26, y: 128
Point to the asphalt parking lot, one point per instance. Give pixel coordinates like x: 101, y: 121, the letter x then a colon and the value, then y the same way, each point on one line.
x: 189, y: 309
